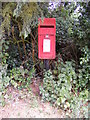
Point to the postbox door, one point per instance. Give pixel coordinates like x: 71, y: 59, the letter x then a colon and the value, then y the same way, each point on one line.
x: 46, y: 47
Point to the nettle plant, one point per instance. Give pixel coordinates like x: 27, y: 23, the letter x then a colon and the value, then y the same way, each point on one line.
x: 59, y: 88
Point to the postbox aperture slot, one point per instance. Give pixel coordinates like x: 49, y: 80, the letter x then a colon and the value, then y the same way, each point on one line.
x: 48, y: 26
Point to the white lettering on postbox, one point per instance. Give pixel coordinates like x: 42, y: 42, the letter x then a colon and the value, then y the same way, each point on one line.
x: 46, y: 45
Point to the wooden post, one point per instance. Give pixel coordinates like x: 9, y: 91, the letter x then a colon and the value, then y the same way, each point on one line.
x: 46, y: 64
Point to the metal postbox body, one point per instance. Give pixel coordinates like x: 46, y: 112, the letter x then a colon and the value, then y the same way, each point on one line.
x: 46, y: 38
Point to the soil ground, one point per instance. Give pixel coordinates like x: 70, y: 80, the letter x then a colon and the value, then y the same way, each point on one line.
x: 24, y: 104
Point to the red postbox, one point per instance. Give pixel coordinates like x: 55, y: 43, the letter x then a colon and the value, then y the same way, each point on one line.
x: 46, y: 38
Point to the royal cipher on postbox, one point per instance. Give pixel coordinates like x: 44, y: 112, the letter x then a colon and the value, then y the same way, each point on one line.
x: 46, y: 38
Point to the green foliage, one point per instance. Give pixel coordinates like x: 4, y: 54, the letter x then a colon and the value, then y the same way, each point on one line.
x: 48, y: 86
x: 78, y: 105
x: 19, y: 19
x: 66, y: 85
x: 4, y: 82
x: 4, y: 79
x: 7, y: 11
x: 17, y: 77
x: 21, y: 78
x: 60, y: 88
x: 72, y: 27
x: 4, y: 45
x: 10, y: 74
x: 84, y: 72
x: 85, y: 56
x: 27, y: 13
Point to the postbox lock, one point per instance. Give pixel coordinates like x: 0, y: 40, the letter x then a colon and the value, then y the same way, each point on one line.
x: 47, y: 36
